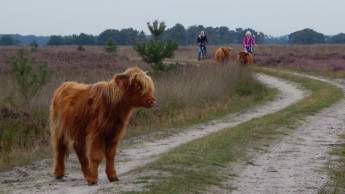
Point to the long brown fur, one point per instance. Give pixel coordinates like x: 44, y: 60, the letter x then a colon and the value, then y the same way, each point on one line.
x: 223, y: 54
x: 245, y: 58
x: 91, y: 119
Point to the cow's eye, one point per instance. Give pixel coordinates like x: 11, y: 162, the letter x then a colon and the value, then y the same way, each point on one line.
x: 138, y: 86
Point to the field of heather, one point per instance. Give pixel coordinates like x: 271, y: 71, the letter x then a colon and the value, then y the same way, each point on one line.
x: 304, y: 57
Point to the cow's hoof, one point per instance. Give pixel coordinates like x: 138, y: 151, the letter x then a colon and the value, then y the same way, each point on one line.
x: 92, y: 183
x: 60, y: 177
x: 113, y: 179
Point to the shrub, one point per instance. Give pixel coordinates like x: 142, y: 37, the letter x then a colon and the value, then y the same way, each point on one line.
x: 80, y: 48
x: 34, y: 46
x: 110, y: 47
x: 29, y: 75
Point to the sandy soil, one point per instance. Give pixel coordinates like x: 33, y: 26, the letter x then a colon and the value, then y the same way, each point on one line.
x: 37, y: 178
x: 296, y: 164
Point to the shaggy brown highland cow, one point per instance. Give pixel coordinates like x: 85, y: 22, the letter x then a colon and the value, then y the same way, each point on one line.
x: 223, y: 54
x: 91, y: 120
x: 245, y: 58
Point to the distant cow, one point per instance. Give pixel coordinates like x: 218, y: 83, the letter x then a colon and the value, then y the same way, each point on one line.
x: 91, y: 119
x: 245, y: 58
x: 223, y: 54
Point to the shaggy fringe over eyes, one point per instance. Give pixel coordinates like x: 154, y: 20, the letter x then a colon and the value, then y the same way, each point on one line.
x: 136, y: 74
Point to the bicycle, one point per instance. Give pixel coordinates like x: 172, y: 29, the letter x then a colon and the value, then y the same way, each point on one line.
x: 202, y: 52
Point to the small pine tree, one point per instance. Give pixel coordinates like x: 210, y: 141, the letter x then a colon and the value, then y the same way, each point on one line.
x: 155, y: 50
x: 29, y: 76
x: 156, y: 29
x: 110, y: 47
x: 34, y: 46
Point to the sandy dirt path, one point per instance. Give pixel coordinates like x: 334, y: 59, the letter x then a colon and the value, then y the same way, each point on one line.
x: 37, y: 178
x: 297, y: 163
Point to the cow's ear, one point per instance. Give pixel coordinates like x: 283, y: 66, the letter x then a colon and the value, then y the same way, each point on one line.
x: 122, y: 80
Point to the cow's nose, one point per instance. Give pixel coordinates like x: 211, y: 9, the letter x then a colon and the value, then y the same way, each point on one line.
x: 152, y: 101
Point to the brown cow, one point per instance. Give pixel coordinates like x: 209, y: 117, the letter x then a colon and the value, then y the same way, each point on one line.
x: 245, y: 58
x: 223, y: 54
x: 91, y: 119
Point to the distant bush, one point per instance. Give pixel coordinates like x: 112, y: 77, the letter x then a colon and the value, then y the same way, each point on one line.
x: 34, y: 46
x: 29, y: 75
x: 155, y: 50
x: 80, y: 48
x: 110, y: 46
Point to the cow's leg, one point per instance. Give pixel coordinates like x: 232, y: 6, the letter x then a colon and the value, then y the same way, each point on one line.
x: 59, y: 158
x: 80, y: 151
x: 110, y: 153
x: 95, y: 156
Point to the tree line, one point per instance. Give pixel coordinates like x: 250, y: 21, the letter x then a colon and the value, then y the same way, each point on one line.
x: 179, y: 34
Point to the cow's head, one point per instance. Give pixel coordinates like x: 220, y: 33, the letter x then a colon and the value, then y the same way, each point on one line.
x: 137, y: 87
x: 226, y: 51
x: 244, y: 57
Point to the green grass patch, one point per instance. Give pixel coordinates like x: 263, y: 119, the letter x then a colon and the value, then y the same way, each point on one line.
x: 336, y: 185
x: 194, y: 166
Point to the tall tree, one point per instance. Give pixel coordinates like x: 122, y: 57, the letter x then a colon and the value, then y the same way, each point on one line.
x: 8, y: 40
x: 84, y: 39
x: 339, y: 38
x: 56, y: 40
x: 306, y: 36
x: 177, y: 33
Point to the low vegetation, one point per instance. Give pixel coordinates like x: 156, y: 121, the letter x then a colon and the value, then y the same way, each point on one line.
x: 185, y: 95
x: 197, y: 165
x: 320, y: 59
x: 29, y: 75
x: 80, y: 48
x: 33, y: 46
x: 110, y: 46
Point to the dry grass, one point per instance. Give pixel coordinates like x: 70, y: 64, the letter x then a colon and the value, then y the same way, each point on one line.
x: 187, y: 95
x: 312, y: 58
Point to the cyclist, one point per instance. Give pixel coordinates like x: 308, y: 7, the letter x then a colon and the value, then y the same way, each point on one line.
x: 202, y: 42
x: 248, y: 42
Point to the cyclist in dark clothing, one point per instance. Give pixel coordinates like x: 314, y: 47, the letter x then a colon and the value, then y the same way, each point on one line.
x: 202, y: 42
x: 202, y: 39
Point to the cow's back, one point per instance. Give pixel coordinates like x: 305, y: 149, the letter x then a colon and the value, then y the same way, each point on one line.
x: 219, y: 55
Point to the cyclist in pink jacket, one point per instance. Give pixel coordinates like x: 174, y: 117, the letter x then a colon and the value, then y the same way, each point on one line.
x: 248, y: 42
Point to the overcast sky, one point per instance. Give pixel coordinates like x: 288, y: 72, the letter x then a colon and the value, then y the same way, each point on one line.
x: 275, y: 17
